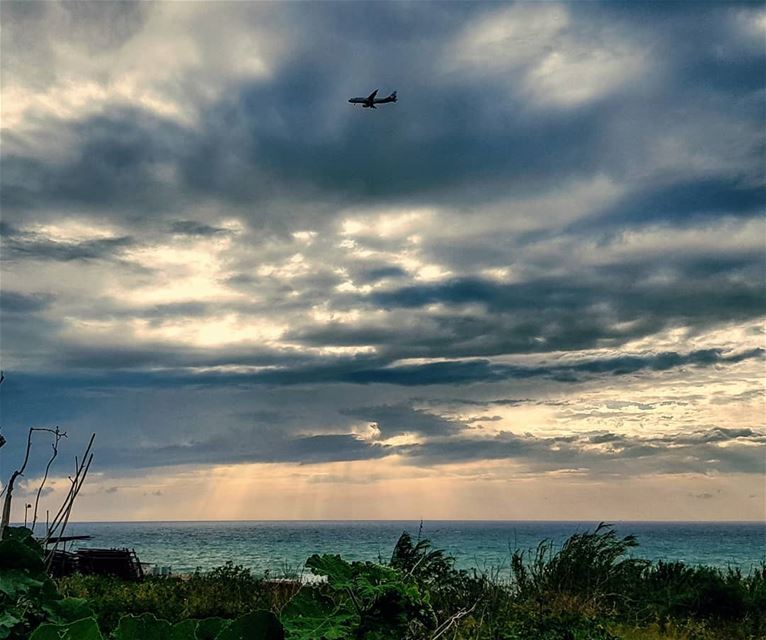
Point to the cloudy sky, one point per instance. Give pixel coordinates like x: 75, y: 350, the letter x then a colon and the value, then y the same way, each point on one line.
x: 533, y: 288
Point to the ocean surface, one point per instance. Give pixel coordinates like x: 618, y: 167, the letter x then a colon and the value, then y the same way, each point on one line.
x: 282, y: 547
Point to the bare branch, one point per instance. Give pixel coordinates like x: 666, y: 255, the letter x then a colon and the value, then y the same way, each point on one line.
x: 447, y: 624
x: 58, y: 436
x: 61, y: 520
x: 62, y: 516
x: 8, y: 489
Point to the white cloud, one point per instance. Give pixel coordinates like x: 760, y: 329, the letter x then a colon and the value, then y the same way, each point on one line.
x: 503, y: 40
x: 577, y: 74
x: 539, y: 51
x: 181, y: 58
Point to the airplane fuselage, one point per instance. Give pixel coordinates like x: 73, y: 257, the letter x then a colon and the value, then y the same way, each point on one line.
x: 370, y: 101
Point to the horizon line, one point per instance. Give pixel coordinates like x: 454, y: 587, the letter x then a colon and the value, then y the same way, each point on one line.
x: 424, y: 520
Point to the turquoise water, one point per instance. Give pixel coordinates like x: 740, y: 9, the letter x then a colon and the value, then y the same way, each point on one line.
x: 279, y: 546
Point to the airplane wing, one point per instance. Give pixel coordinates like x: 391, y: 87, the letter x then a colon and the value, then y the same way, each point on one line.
x: 371, y: 97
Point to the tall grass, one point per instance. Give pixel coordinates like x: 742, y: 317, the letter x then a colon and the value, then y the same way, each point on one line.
x: 590, y: 568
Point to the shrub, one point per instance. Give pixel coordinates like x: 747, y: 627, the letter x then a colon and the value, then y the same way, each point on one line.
x: 226, y: 592
x: 590, y: 571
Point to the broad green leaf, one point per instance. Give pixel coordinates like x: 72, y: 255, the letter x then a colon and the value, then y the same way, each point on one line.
x: 367, y: 579
x: 14, y: 582
x: 209, y: 628
x: 259, y: 625
x: 20, y: 534
x: 311, y: 615
x: 15, y: 554
x: 379, y: 598
x: 7, y: 622
x: 143, y: 627
x: 85, y: 629
x: 340, y: 573
x: 68, y: 609
x: 184, y: 630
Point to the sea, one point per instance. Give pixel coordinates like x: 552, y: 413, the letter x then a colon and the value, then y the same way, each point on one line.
x: 280, y: 548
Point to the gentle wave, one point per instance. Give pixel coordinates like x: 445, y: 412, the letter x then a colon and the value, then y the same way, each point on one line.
x: 281, y: 547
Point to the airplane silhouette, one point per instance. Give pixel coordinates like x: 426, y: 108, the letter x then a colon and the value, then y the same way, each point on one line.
x: 370, y: 101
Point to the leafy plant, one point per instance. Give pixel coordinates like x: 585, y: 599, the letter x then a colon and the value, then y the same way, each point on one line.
x: 359, y: 600
x: 259, y: 625
x: 85, y: 629
x: 27, y: 595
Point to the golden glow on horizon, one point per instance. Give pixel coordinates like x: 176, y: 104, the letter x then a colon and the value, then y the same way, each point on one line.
x: 387, y: 489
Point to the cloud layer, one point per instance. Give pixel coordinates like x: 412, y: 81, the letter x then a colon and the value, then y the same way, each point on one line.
x: 550, y: 252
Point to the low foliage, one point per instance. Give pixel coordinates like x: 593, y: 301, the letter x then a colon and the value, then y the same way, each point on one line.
x: 225, y: 592
x: 27, y: 595
x: 259, y: 625
x: 589, y: 589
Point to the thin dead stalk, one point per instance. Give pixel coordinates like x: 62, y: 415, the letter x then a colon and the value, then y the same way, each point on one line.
x: 447, y: 624
x: 57, y: 436
x: 76, y: 483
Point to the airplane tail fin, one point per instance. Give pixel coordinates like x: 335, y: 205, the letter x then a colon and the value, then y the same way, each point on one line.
x: 393, y: 96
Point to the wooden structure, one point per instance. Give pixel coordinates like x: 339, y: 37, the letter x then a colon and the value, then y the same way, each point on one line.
x: 122, y: 563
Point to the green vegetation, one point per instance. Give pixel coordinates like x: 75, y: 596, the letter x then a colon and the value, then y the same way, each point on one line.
x: 586, y: 590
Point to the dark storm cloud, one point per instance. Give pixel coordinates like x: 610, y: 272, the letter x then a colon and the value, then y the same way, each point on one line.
x: 114, y: 167
x: 253, y: 446
x: 241, y: 158
x: 460, y: 156
x: 15, y: 302
x: 27, y: 327
x: 192, y: 228
x: 177, y: 430
x: 685, y: 202
x: 605, y: 452
x: 466, y: 372
x: 280, y: 370
x: 33, y: 246
x: 590, y: 309
x: 236, y: 157
x: 625, y: 286
x: 466, y: 402
x: 394, y: 420
x: 662, y: 361
x: 113, y: 358
x: 451, y: 136
x: 367, y: 276
x: 597, y: 453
